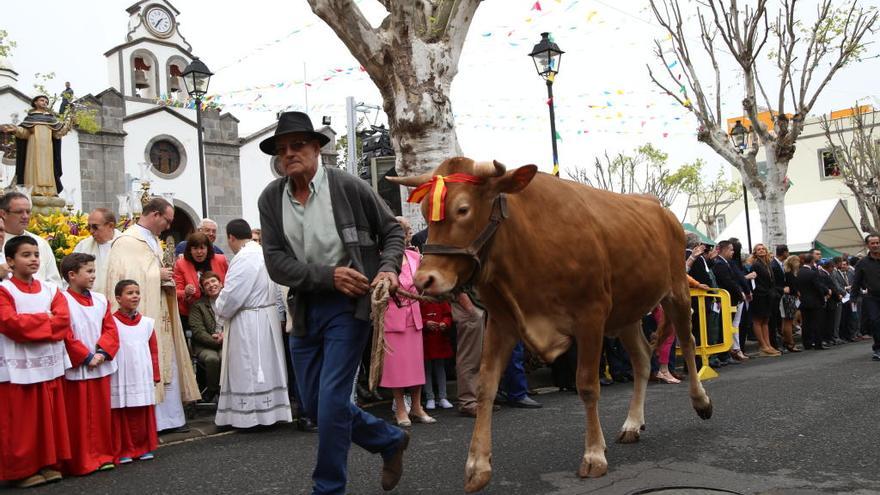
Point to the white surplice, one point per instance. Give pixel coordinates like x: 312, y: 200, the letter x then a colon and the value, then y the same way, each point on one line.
x: 253, y: 378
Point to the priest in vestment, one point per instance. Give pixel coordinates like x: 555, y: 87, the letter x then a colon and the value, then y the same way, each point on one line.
x: 38, y: 148
x: 253, y: 377
x: 137, y: 255
x: 102, y: 225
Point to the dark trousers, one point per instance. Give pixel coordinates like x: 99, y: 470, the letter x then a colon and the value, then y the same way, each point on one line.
x: 325, y: 361
x: 564, y: 369
x: 811, y: 330
x: 775, y: 324
x: 617, y: 358
x: 847, y: 322
x: 871, y: 321
x: 514, y: 382
x: 828, y: 325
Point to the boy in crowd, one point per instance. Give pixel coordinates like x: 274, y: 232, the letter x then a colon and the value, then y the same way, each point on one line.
x: 91, y: 346
x: 132, y: 393
x: 34, y: 322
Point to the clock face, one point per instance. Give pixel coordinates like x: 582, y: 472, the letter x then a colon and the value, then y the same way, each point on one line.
x: 159, y: 21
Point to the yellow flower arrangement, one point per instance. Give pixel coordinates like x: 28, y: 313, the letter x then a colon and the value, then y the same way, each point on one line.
x: 61, y: 230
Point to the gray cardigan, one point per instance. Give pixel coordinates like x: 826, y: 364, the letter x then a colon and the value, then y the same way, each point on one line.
x: 371, y: 235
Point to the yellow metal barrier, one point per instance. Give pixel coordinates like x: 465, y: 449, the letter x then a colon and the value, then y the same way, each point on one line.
x: 704, y: 349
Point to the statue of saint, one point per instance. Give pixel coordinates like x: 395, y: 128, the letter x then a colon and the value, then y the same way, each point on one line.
x: 38, y: 148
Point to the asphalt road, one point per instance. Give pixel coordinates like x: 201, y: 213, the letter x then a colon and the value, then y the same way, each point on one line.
x: 803, y: 423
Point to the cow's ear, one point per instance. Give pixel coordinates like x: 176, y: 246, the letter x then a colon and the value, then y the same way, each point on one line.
x: 516, y: 180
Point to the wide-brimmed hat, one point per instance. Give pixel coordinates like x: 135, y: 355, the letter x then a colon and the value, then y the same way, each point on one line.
x: 288, y: 123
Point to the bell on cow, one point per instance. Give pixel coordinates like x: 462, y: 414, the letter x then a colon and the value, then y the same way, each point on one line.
x: 174, y: 85
x: 140, y: 79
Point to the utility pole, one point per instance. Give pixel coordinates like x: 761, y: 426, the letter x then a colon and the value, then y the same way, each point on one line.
x: 351, y: 122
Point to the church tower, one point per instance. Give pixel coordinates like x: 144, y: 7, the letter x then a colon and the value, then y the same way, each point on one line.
x: 150, y: 62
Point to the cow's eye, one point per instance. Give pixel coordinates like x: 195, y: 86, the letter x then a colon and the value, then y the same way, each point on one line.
x: 462, y: 210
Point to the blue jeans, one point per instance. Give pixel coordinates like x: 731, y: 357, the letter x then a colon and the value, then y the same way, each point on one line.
x: 325, y: 361
x: 514, y: 381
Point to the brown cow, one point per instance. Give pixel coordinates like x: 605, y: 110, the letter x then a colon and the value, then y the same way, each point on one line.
x: 568, y: 263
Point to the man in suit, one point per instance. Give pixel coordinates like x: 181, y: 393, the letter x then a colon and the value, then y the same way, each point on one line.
x: 832, y: 304
x: 700, y: 269
x: 777, y: 267
x: 727, y: 280
x: 840, y: 278
x: 813, y: 293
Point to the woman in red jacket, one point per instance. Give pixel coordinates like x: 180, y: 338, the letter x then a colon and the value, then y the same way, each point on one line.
x: 437, y: 319
x: 198, y: 257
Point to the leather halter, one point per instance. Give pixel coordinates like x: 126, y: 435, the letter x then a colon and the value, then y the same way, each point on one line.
x: 476, y: 251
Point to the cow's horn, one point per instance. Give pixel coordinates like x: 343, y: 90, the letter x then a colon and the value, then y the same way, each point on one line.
x: 412, y: 180
x: 489, y: 169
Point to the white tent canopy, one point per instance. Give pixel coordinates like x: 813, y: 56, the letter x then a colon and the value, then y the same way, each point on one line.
x: 825, y: 221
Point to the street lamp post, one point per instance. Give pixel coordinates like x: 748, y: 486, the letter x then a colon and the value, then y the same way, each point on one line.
x: 196, y: 76
x: 547, y: 56
x: 738, y: 136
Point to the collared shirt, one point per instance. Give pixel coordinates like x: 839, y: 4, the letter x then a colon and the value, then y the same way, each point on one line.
x: 310, y: 228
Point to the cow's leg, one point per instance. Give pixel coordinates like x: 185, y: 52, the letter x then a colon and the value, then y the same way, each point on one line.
x: 677, y: 306
x: 639, y: 351
x: 498, y: 343
x: 589, y: 344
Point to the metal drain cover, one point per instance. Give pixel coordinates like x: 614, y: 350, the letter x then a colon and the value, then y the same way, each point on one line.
x: 683, y: 490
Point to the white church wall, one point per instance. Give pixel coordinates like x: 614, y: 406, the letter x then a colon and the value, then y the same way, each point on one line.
x: 256, y: 173
x: 185, y: 184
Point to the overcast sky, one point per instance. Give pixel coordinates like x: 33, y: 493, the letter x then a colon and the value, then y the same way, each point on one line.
x: 604, y: 98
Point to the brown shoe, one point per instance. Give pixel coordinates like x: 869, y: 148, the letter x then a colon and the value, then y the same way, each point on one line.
x: 392, y: 468
x: 51, y: 475
x: 739, y: 356
x: 31, y: 481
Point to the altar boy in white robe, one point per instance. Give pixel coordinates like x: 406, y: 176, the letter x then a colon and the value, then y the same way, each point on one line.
x: 253, y: 377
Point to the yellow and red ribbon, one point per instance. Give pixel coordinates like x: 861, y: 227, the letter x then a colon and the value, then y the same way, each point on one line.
x: 436, y: 190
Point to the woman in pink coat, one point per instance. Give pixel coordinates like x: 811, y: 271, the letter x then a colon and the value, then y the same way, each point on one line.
x: 404, y: 366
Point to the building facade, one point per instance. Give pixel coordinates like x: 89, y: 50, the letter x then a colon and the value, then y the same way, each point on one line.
x: 144, y: 119
x: 813, y: 173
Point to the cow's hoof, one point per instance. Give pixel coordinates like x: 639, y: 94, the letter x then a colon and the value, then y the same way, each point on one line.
x: 593, y: 466
x: 476, y: 477
x: 704, y: 412
x: 628, y: 436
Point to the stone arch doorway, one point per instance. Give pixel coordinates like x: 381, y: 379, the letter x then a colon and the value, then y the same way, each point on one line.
x: 184, y: 224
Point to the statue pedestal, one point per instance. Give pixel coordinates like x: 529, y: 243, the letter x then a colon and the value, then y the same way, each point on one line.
x: 47, y: 205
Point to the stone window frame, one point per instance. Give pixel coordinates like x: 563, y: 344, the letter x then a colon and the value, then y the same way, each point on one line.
x: 145, y: 53
x: 820, y: 153
x: 175, y: 60
x: 180, y: 149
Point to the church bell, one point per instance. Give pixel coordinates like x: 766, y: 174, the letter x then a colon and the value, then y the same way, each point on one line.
x: 140, y: 79
x: 174, y: 84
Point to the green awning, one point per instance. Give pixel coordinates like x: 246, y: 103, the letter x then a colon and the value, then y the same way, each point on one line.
x: 827, y: 252
x: 688, y: 227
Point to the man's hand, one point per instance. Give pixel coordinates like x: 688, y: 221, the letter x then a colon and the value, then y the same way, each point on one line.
x: 350, y: 282
x: 97, y: 359
x: 218, y: 337
x: 751, y: 276
x: 391, y: 277
x: 704, y: 287
x: 166, y: 274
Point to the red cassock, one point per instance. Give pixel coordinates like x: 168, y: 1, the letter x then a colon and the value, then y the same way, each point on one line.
x: 33, y: 426
x: 88, y: 400
x: 134, y: 428
x: 437, y: 343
